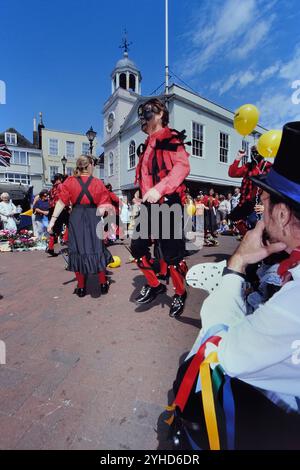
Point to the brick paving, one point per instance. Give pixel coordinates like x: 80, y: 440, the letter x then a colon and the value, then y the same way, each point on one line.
x: 90, y: 373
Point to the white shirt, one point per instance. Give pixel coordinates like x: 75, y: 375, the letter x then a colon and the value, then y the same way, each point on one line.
x: 225, y: 206
x: 261, y: 349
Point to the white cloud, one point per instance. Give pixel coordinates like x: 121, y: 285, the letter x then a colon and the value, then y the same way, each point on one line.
x: 226, y: 30
x: 276, y: 107
x: 291, y: 70
x: 253, y: 38
x: 268, y: 72
x: 242, y: 78
x: 217, y: 29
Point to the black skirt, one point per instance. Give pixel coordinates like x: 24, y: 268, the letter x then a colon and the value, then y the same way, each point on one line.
x: 87, y: 253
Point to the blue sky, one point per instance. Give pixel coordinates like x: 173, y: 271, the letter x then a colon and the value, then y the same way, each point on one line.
x: 57, y: 56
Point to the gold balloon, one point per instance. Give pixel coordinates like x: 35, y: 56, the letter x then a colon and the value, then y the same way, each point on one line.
x: 246, y: 119
x: 191, y: 210
x: 268, y: 143
x: 115, y: 263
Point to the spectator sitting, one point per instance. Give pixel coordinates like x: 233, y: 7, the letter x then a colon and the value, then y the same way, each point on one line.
x: 7, y: 212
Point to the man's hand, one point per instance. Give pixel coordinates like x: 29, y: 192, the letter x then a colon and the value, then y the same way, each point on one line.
x: 152, y: 196
x: 50, y: 226
x: 240, y: 155
x: 252, y: 249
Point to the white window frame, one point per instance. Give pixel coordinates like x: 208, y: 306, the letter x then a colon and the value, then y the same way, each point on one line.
x: 109, y: 164
x: 12, y: 162
x: 26, y: 177
x: 66, y: 146
x: 88, y: 148
x: 246, y: 146
x: 131, y: 154
x: 203, y: 139
x: 49, y: 152
x: 9, y: 140
x: 228, y: 149
x: 53, y: 166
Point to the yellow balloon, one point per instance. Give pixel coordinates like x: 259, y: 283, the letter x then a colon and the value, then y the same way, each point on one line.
x: 268, y: 143
x: 115, y: 263
x: 191, y: 210
x: 246, y: 119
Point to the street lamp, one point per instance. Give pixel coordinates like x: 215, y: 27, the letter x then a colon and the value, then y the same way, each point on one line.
x: 91, y: 134
x: 64, y: 162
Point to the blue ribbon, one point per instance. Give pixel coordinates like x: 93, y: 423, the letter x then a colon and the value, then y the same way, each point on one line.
x: 229, y: 410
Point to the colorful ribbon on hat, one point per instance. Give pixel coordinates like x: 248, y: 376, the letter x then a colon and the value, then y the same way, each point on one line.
x: 208, y: 401
x: 211, y: 383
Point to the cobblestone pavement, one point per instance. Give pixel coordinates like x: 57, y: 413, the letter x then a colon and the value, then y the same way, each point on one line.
x: 90, y: 373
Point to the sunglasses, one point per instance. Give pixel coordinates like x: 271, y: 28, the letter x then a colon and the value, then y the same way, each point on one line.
x: 147, y: 108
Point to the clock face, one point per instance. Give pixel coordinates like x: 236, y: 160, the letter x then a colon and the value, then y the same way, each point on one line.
x: 110, y: 121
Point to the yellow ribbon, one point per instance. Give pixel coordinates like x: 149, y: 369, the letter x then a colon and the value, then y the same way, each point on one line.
x: 170, y: 420
x: 208, y: 401
x: 29, y: 212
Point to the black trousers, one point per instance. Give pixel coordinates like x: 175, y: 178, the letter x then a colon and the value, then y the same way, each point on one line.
x: 172, y: 248
x: 62, y: 219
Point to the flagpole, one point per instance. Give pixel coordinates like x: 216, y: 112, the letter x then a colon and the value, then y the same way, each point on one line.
x: 167, y: 47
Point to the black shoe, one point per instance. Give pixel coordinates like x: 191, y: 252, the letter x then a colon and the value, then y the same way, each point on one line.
x: 104, y: 287
x: 149, y: 293
x: 177, y: 305
x: 80, y: 291
x: 51, y: 252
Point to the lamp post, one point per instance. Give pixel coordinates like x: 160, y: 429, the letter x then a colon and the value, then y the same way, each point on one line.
x: 64, y: 162
x: 91, y: 134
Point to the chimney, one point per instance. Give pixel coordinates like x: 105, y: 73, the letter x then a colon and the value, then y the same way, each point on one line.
x: 40, y: 127
x: 35, y: 134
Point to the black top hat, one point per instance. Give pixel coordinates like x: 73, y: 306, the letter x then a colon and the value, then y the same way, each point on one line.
x: 283, y: 180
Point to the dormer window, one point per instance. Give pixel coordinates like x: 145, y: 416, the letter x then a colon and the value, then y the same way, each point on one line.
x: 10, y: 138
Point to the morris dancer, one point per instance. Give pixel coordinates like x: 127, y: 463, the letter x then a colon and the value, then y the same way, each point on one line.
x: 87, y: 254
x: 160, y: 173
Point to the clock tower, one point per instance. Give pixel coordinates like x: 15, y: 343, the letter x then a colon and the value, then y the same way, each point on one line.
x: 126, y: 88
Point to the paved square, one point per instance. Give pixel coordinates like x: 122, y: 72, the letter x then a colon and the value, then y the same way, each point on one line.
x: 90, y: 373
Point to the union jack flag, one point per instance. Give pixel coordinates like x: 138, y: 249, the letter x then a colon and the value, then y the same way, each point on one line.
x: 5, y: 155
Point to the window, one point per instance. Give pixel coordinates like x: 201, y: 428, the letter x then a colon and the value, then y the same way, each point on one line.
x: 197, y: 140
x: 224, y: 147
x: 52, y: 171
x: 131, y: 154
x: 70, y: 149
x: 122, y: 80
x: 85, y: 150
x: 70, y: 171
x: 53, y: 147
x: 111, y: 164
x: 132, y: 82
x: 245, y: 146
x: 10, y: 138
x: 19, y: 158
x: 17, y: 178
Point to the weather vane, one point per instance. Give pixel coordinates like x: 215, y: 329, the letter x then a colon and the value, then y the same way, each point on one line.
x: 125, y: 44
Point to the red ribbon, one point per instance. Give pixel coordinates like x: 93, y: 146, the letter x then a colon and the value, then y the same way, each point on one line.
x: 191, y: 374
x: 289, y: 263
